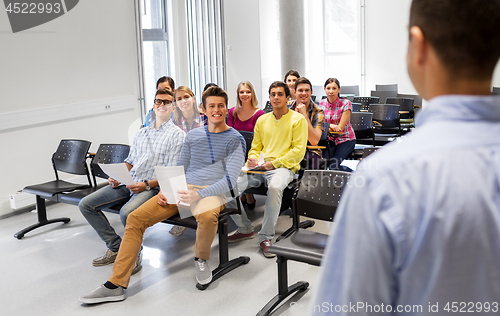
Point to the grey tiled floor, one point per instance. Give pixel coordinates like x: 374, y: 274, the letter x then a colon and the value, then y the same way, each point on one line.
x: 46, y: 271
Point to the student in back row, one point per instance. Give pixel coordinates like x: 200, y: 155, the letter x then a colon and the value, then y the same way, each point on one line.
x: 290, y: 77
x: 337, y: 114
x: 186, y: 117
x: 314, y: 117
x: 243, y: 117
x: 163, y: 83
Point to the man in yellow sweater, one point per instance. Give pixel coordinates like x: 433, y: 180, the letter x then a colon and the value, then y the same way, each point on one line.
x: 281, y: 136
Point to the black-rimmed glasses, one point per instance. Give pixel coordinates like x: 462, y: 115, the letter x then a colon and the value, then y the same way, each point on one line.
x: 160, y: 101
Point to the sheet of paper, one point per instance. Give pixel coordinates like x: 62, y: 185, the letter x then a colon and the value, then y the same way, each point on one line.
x: 353, y: 164
x: 118, y: 171
x: 256, y: 168
x: 171, y: 179
x: 244, y: 168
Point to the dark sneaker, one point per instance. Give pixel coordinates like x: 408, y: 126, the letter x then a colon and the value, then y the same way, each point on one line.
x: 176, y: 231
x: 237, y: 236
x: 138, y: 264
x: 203, y: 273
x: 108, y: 258
x: 103, y: 294
x: 264, y: 246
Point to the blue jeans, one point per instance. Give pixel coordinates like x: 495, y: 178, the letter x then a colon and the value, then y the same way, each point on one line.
x: 91, y: 206
x: 339, y: 153
x: 276, y: 181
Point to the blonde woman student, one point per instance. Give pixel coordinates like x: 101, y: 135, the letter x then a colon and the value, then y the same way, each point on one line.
x: 243, y: 118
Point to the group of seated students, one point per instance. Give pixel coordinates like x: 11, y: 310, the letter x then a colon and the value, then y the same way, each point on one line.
x: 205, y: 141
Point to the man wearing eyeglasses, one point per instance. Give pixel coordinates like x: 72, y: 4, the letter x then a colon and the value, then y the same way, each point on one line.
x: 158, y: 144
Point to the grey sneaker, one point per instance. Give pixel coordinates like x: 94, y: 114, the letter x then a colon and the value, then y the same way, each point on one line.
x: 103, y: 294
x: 108, y: 258
x: 138, y: 264
x: 203, y: 273
x: 176, y: 231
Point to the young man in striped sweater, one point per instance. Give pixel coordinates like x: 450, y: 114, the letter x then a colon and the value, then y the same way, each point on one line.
x: 212, y: 157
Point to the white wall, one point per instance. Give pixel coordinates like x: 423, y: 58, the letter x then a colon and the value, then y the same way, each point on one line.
x: 88, y: 54
x: 270, y: 50
x: 386, y: 44
x: 387, y: 40
x: 179, y: 58
x: 242, y: 35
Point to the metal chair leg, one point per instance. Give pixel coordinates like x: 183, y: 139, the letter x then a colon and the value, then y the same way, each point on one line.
x: 41, y: 211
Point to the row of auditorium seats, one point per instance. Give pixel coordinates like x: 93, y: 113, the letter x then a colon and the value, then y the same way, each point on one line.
x: 70, y: 157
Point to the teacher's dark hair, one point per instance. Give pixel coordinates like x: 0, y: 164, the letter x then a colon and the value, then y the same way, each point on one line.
x: 465, y: 34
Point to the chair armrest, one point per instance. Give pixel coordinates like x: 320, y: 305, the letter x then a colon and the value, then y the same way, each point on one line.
x: 316, y: 147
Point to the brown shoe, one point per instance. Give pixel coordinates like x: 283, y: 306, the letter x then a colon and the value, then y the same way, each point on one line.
x: 264, y: 246
x: 237, y: 236
x: 108, y: 258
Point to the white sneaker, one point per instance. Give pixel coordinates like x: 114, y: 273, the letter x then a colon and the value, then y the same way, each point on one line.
x: 103, y: 294
x: 176, y: 231
x: 203, y: 272
x: 138, y: 264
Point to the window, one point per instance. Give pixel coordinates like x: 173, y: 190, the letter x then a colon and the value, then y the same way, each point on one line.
x: 155, y: 46
x: 206, y: 44
x: 333, y: 41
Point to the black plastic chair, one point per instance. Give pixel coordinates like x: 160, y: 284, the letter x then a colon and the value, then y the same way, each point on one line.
x: 106, y: 153
x: 349, y: 90
x: 323, y: 142
x: 356, y: 107
x: 368, y: 151
x: 417, y: 101
x: 386, y: 115
x: 405, y: 105
x: 268, y: 108
x: 387, y: 87
x: 366, y: 101
x: 248, y: 136
x: 318, y: 197
x: 70, y: 157
x: 362, y: 125
x: 383, y: 95
x: 386, y: 121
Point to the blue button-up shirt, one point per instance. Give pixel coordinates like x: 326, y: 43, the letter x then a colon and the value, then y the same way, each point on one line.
x: 151, y: 147
x: 418, y: 228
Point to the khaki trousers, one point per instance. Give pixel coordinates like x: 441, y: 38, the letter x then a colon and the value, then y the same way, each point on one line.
x: 206, y: 211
